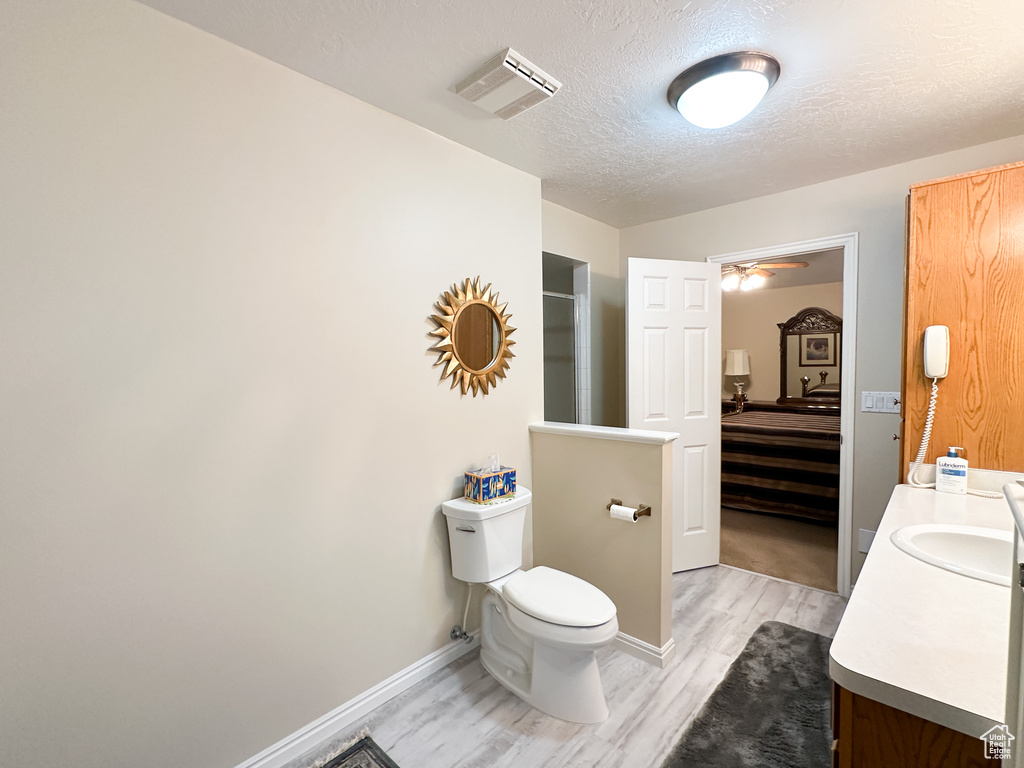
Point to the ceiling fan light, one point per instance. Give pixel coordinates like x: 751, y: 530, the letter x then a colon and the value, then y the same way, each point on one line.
x: 752, y: 282
x: 723, y: 90
x: 731, y: 282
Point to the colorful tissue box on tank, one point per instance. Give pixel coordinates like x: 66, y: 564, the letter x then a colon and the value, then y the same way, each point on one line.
x: 483, y: 486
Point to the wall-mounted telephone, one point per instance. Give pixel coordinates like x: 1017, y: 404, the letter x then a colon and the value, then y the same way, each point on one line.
x: 936, y: 352
x: 936, y: 366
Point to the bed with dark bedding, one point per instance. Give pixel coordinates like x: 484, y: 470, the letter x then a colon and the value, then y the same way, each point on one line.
x: 782, y: 463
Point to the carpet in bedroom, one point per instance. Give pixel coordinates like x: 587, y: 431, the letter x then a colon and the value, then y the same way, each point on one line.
x: 795, y: 550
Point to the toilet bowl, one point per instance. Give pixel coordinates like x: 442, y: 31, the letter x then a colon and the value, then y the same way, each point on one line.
x: 551, y: 666
x: 540, y: 628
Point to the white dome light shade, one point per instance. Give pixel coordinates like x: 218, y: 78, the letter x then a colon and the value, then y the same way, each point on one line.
x: 723, y: 99
x: 723, y: 90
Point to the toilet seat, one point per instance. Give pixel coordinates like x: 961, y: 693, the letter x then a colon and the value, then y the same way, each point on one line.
x: 569, y: 638
x: 558, y: 598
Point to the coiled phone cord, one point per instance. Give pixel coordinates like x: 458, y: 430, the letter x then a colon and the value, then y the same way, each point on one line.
x: 925, y: 437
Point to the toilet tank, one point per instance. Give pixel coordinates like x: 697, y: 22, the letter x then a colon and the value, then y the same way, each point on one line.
x: 486, y: 540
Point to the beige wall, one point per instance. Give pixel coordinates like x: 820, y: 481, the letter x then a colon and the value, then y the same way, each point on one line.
x: 224, y: 441
x: 574, y: 478
x: 576, y: 236
x: 750, y: 321
x: 873, y: 205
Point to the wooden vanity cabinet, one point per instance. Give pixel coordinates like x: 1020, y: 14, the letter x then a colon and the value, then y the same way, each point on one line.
x: 965, y: 270
x: 868, y: 734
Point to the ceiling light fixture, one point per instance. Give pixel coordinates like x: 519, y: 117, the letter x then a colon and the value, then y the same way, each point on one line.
x: 724, y: 89
x: 750, y: 277
x: 751, y: 282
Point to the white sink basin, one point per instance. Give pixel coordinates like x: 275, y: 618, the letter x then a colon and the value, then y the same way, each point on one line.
x: 979, y: 553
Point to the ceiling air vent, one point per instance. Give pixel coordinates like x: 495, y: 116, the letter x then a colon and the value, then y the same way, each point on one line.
x: 507, y: 85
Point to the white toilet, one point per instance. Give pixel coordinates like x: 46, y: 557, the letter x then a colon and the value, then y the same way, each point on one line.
x: 541, y: 627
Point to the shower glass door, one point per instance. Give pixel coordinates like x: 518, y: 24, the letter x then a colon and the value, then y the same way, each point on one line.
x: 559, y: 357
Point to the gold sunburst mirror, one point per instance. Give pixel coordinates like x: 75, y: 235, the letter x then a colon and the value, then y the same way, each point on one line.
x: 475, y: 346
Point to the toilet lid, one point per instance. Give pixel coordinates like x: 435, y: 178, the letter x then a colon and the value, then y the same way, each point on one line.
x: 558, y: 598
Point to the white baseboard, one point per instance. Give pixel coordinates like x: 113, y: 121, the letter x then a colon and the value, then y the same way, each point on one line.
x: 652, y: 654
x: 336, y: 722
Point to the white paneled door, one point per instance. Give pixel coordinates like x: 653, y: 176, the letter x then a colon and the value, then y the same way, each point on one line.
x: 674, y: 358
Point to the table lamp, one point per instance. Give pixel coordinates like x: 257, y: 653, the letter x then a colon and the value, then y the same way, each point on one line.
x: 737, y: 363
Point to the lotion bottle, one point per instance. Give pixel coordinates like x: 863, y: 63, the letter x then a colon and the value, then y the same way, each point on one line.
x: 951, y: 472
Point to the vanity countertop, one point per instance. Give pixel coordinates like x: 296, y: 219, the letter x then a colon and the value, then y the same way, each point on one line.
x: 922, y: 639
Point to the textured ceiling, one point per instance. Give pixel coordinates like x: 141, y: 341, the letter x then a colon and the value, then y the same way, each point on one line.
x: 865, y: 84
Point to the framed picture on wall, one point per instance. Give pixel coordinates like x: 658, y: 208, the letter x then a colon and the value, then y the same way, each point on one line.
x: 817, y: 349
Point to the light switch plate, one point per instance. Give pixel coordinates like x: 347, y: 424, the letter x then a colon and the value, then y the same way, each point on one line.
x: 880, y: 402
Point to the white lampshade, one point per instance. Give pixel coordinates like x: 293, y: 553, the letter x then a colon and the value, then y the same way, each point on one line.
x: 737, y: 362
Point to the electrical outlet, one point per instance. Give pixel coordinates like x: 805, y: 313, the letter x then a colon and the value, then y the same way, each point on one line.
x: 864, y: 540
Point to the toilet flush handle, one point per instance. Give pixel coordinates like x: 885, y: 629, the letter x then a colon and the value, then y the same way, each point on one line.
x: 465, y: 528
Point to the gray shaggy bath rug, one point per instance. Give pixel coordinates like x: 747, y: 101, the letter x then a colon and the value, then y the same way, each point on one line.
x: 772, y: 709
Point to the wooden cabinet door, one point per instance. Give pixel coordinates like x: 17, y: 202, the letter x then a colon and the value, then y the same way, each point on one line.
x: 965, y: 270
x: 869, y: 734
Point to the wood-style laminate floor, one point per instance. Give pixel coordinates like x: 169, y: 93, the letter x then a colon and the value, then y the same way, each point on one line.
x: 460, y: 717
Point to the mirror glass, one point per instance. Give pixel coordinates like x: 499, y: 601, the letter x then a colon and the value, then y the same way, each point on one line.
x: 476, y: 336
x: 474, y: 345
x: 811, y: 356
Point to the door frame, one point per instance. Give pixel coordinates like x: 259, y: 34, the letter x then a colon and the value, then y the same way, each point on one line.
x: 850, y: 244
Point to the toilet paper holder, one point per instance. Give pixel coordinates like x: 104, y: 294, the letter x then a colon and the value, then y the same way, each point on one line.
x: 642, y: 510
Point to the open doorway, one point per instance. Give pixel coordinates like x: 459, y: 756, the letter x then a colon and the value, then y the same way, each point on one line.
x: 566, y: 286
x: 786, y: 480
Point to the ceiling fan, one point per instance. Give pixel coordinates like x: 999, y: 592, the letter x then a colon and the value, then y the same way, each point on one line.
x: 747, y: 277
